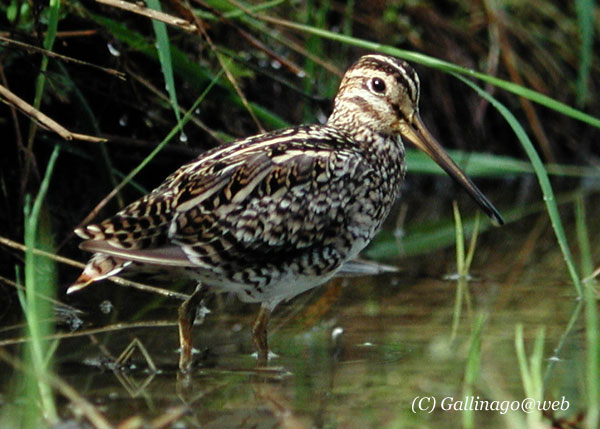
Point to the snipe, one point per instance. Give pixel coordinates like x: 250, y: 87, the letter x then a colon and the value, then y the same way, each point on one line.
x: 271, y: 216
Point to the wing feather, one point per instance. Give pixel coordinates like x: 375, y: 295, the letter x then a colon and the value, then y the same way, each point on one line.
x: 266, y: 196
x: 171, y: 256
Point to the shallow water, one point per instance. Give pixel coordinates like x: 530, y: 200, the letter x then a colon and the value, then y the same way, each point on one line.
x: 363, y: 352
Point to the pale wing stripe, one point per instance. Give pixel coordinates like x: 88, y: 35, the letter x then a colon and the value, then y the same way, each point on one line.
x: 246, y: 190
x: 282, y: 159
x: 183, y: 207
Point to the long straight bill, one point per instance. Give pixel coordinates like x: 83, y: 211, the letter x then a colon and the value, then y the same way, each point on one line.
x: 422, y: 138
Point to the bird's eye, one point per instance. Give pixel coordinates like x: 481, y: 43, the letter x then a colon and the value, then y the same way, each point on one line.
x: 377, y: 85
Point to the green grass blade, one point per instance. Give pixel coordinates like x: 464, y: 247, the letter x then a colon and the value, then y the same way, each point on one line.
x: 461, y: 284
x: 39, y: 280
x: 231, y: 10
x: 542, y: 176
x: 424, y: 237
x: 40, y: 83
x: 489, y: 165
x: 163, y: 48
x: 583, y: 238
x: 460, y: 241
x: 472, y: 368
x: 252, y: 8
x: 592, y: 328
x: 563, y: 340
x: 585, y: 18
x: 472, y: 245
x: 448, y: 67
x: 531, y: 372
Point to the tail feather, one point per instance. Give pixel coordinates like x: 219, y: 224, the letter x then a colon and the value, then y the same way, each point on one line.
x: 127, y: 232
x: 90, y: 232
x: 99, y: 267
x: 360, y: 267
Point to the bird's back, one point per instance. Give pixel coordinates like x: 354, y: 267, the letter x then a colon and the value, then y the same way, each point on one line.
x: 306, y: 197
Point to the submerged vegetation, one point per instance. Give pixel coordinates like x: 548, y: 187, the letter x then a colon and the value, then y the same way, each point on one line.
x: 103, y: 99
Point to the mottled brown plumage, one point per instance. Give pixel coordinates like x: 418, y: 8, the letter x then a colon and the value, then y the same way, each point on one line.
x: 273, y: 215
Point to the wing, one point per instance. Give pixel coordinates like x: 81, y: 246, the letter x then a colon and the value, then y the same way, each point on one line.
x: 270, y: 196
x: 282, y: 200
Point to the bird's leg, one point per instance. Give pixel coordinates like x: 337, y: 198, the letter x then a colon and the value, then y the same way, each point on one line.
x: 187, y: 314
x: 259, y: 333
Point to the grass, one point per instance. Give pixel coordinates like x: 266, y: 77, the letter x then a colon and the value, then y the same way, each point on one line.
x: 40, y: 273
x: 427, y: 236
x: 585, y: 18
x: 447, y: 67
x: 163, y: 48
x: 542, y: 175
x: 472, y: 370
x: 40, y: 279
x: 53, y: 17
x: 531, y: 372
x: 463, y: 264
x: 592, y: 326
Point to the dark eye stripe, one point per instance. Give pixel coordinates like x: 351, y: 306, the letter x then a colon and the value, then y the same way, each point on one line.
x: 399, y: 112
x: 404, y: 74
x: 410, y: 86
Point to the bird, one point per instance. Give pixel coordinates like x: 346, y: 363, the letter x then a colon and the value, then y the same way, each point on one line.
x: 271, y: 216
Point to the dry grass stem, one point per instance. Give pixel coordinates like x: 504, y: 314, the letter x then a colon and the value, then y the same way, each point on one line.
x: 42, y: 119
x: 130, y: 350
x: 256, y: 43
x: 65, y: 58
x: 151, y: 13
x: 120, y: 281
x: 290, y: 44
x: 94, y: 331
x: 202, y: 31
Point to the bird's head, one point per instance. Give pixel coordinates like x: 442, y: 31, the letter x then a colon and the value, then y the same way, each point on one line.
x: 380, y: 94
